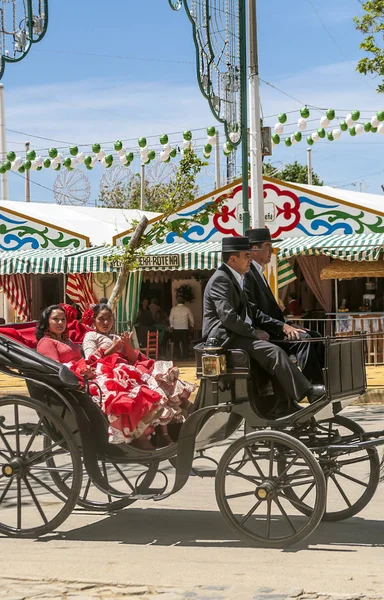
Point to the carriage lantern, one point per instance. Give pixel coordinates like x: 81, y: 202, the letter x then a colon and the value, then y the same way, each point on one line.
x: 214, y: 362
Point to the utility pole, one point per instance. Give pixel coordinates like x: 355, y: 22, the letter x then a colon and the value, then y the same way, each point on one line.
x: 217, y: 161
x: 3, y: 145
x: 142, y: 188
x: 257, y: 195
x: 27, y: 177
x: 309, y: 162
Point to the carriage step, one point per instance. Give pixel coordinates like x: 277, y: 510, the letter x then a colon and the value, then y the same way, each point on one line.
x: 150, y: 495
x: 204, y: 472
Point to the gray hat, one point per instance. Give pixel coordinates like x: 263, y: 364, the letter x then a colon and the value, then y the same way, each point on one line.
x: 260, y: 235
x: 235, y: 244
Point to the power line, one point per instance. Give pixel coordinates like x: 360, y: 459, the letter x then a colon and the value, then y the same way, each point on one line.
x: 138, y: 58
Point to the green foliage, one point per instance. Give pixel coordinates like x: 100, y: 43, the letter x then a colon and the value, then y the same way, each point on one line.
x: 294, y: 172
x: 371, y: 25
x: 185, y: 292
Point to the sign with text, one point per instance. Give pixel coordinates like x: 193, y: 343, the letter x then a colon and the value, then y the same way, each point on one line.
x: 171, y: 261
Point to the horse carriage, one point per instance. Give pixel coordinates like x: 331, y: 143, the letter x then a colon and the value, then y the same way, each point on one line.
x: 272, y: 483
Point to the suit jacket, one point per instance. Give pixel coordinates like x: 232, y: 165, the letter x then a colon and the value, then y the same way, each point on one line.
x: 261, y: 298
x: 226, y: 307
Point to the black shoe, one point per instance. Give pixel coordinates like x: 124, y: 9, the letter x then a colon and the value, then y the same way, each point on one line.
x: 315, y: 393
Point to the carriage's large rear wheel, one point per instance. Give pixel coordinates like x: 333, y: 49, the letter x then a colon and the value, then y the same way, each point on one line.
x: 250, y: 488
x: 31, y: 437
x: 352, y: 476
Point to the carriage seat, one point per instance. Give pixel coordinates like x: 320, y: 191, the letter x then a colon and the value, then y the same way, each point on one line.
x: 238, y: 362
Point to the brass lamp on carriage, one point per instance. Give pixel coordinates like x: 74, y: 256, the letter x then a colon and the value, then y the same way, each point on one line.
x: 213, y: 361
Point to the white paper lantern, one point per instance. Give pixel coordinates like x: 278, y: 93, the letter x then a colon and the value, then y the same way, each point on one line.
x: 16, y: 164
x: 74, y: 162
x: 122, y: 152
x: 336, y: 134
x: 234, y: 136
x: 279, y: 128
x: 359, y: 129
x: 144, y: 154
x: 103, y: 161
x: 34, y: 165
x: 315, y: 136
x: 54, y: 163
x: 167, y: 148
x: 375, y: 121
x: 380, y: 128
x: 207, y: 156
x: 302, y: 124
x: 100, y: 155
x: 211, y: 140
x: 94, y: 161
x: 187, y: 144
x: 80, y: 158
x: 293, y: 140
x: 349, y: 121
x: 39, y: 161
x: 324, y: 122
x: 123, y: 159
x: 59, y: 158
x: 164, y: 155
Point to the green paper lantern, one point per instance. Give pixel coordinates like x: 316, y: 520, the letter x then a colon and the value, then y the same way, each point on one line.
x: 229, y: 147
x: 276, y: 138
x: 11, y: 156
x: 47, y: 163
x: 211, y: 131
x: 164, y: 139
x: 89, y: 167
x: 52, y: 152
x: 330, y: 136
x: 373, y: 129
x: 109, y: 159
x: 168, y: 159
x: 27, y: 165
x: 310, y: 141
x: 129, y: 156
x: 298, y: 136
x: 39, y: 168
x: 282, y: 118
x: 352, y: 131
x: 96, y: 148
x: 288, y: 142
x: 118, y: 145
x: 142, y: 142
x: 330, y: 114
x: 107, y: 166
x: 208, y: 148
x: 7, y: 165
x: 3, y: 169
x: 173, y: 153
x: 367, y: 126
x: 355, y: 114
x: 343, y: 126
x: 21, y: 169
x: 187, y: 135
x: 151, y: 155
x: 87, y: 160
x: 147, y: 162
x: 67, y: 162
x: 321, y: 133
x: 31, y: 155
x: 73, y: 151
x: 380, y: 115
x: 304, y: 112
x: 226, y: 153
x: 57, y: 168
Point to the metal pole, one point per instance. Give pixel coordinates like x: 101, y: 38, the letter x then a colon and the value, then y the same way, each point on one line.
x: 244, y: 112
x: 27, y: 177
x: 3, y: 145
x: 309, y: 155
x: 255, y: 149
x: 142, y: 188
x: 217, y: 161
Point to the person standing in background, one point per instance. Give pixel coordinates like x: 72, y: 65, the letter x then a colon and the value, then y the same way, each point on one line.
x: 180, y: 320
x: 154, y: 307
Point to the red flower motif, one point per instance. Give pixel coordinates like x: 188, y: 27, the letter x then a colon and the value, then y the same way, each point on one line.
x: 289, y: 211
x: 225, y: 215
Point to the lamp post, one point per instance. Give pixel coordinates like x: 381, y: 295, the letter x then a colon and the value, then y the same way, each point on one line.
x: 22, y: 23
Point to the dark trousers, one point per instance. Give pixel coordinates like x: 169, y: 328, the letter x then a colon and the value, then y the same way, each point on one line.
x: 285, y: 376
x: 180, y: 337
x: 309, y: 355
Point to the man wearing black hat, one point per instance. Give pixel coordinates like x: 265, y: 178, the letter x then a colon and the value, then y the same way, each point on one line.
x: 228, y: 318
x: 310, y: 356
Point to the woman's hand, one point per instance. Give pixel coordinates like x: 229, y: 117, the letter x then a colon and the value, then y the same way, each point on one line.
x: 116, y: 346
x: 126, y: 338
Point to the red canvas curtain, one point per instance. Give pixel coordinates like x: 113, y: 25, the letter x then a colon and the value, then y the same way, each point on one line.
x: 15, y: 288
x: 311, y: 267
x: 79, y: 289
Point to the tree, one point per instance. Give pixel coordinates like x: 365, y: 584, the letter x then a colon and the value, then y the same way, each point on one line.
x: 293, y: 172
x: 178, y: 195
x: 371, y: 24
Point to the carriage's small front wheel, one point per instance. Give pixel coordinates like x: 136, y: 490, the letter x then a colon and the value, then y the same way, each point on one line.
x: 250, y: 488
x: 31, y: 437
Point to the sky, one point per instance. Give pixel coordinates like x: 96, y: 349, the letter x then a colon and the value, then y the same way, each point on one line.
x: 122, y: 70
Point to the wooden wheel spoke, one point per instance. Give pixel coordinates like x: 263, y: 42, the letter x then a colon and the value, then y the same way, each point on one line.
x: 285, y: 515
x: 240, y: 495
x: 250, y: 512
x: 290, y: 484
x: 122, y: 474
x: 353, y: 461
x: 234, y: 473
x: 268, y: 520
x: 35, y: 500
x: 3, y: 455
x: 271, y: 459
x: 44, y: 485
x: 297, y: 503
x: 106, y: 477
x: 341, y: 491
x: 32, y: 438
x: 17, y: 432
x: 307, y: 491
x: 5, y: 492
x: 44, y: 452
x: 255, y: 463
x: 293, y: 461
x: 87, y: 488
x: 341, y: 474
x: 18, y: 503
x: 6, y: 444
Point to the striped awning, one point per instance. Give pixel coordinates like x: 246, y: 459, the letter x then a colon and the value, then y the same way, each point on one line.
x: 365, y: 246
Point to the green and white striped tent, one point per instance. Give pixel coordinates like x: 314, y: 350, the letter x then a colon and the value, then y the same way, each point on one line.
x: 366, y: 246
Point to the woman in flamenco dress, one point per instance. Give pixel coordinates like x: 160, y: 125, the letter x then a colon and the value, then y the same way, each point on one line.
x: 139, y: 396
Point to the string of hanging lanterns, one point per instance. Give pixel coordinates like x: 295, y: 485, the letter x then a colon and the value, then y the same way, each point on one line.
x: 57, y: 160
x: 349, y: 123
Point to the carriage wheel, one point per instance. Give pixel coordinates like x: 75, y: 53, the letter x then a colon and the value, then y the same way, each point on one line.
x: 250, y: 490
x: 352, y: 478
x: 31, y: 435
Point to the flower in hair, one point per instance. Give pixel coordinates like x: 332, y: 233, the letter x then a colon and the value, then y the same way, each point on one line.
x: 88, y: 317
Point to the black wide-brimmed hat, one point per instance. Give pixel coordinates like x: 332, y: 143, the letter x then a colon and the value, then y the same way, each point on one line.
x: 260, y: 235
x: 235, y: 244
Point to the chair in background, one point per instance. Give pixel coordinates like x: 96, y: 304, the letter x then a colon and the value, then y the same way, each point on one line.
x: 152, y: 350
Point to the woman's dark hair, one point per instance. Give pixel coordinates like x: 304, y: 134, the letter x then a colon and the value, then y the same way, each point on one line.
x: 43, y: 324
x: 99, y: 307
x: 103, y: 300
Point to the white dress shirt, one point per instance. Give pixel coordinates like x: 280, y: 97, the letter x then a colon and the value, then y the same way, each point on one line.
x: 260, y: 270
x: 181, y: 317
x: 240, y: 280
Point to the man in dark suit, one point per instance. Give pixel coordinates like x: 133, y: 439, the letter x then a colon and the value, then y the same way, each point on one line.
x: 227, y: 317
x: 310, y: 356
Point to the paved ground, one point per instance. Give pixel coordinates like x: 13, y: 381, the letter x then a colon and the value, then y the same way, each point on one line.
x: 182, y: 548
